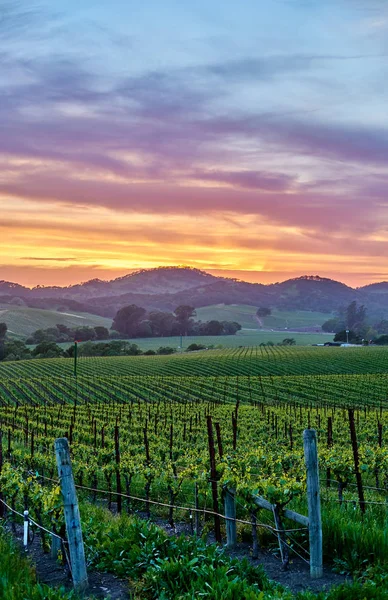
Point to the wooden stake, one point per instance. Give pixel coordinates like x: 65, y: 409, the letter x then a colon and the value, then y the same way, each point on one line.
x: 356, y: 458
x: 118, y: 475
x: 72, y: 516
x: 213, y: 477
x: 314, y: 502
x: 230, y: 514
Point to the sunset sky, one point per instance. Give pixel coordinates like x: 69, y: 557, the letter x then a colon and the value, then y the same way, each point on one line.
x: 247, y: 138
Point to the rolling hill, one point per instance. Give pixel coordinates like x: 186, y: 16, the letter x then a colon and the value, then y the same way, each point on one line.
x: 22, y: 321
x: 246, y: 316
x: 165, y: 288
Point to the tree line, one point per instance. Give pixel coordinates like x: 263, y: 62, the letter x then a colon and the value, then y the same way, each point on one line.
x: 135, y: 322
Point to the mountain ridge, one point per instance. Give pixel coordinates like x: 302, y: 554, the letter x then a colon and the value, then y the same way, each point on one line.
x: 191, y: 270
x: 165, y: 288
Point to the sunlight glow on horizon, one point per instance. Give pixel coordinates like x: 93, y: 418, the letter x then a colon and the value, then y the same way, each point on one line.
x: 184, y: 137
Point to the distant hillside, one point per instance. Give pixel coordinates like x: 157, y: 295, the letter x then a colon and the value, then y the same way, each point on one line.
x: 246, y: 315
x: 165, y: 288
x: 22, y: 321
x: 375, y: 288
x: 147, y: 281
x: 312, y: 293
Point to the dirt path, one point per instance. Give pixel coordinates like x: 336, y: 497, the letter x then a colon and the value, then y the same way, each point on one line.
x: 49, y: 571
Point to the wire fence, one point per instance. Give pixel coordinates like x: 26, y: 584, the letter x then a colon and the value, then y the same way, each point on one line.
x: 191, y: 509
x: 28, y: 520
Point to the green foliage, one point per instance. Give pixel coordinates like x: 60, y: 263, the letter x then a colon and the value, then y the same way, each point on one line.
x: 334, y: 325
x: 165, y: 350
x: 47, y: 350
x: 166, y: 567
x: 17, y: 577
x: 195, y: 347
x: 16, y: 350
x: 263, y: 311
x: 289, y: 342
x: 127, y: 319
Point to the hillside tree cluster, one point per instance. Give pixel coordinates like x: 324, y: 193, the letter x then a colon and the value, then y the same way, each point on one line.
x: 135, y: 322
x: 354, y: 318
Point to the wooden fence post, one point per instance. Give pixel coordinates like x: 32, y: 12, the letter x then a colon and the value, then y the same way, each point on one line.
x: 213, y: 478
x: 314, y: 502
x: 196, y: 498
x: 72, y: 516
x: 55, y: 546
x: 230, y: 514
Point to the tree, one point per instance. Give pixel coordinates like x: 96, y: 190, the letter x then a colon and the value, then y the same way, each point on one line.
x: 333, y: 325
x: 47, y: 350
x: 16, y: 350
x: 143, y: 329
x: 213, y: 327
x: 230, y: 327
x: 63, y: 329
x: 263, y: 311
x: 195, y: 347
x: 288, y: 342
x: 165, y: 350
x: 355, y: 316
x: 127, y: 319
x: 184, y: 314
x: 84, y: 333
x: 101, y: 332
x: 342, y: 336
x: 162, y: 323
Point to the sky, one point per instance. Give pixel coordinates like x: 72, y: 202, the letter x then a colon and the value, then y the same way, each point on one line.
x: 248, y: 139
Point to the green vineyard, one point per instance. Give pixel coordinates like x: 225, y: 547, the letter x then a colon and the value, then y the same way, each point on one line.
x: 138, y: 429
x: 262, y: 361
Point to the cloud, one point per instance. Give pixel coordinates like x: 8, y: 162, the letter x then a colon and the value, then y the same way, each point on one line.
x: 255, y: 180
x: 16, y: 17
x: 190, y: 141
x: 51, y: 258
x: 275, y: 65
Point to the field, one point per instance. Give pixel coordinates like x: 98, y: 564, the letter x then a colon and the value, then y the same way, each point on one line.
x: 246, y: 316
x: 23, y: 321
x: 155, y: 412
x: 245, y: 338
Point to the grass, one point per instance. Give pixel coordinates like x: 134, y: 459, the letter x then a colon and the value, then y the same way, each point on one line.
x: 22, y: 321
x: 242, y: 338
x: 245, y: 315
x: 18, y: 579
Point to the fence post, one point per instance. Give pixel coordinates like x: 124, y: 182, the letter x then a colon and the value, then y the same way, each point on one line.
x: 55, y: 546
x: 72, y: 516
x: 314, y: 502
x: 230, y: 514
x: 213, y: 476
x: 197, y: 524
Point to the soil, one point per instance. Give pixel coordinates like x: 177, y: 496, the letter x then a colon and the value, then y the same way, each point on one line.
x: 48, y: 570
x: 108, y: 586
x: 296, y: 578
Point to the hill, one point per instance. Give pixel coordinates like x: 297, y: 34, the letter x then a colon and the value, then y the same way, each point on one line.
x: 22, y: 321
x: 165, y: 288
x: 278, y: 320
x: 146, y: 281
